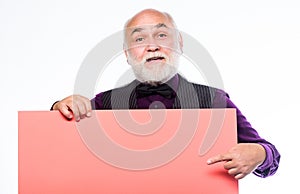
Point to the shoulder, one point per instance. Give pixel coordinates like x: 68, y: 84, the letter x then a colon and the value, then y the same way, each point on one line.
x: 202, y: 87
x: 217, y: 97
x: 117, y: 96
x: 127, y: 87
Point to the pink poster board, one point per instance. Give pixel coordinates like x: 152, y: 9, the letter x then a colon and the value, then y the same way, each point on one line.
x: 126, y: 151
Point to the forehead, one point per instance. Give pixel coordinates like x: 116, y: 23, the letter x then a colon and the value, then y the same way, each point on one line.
x: 148, y: 19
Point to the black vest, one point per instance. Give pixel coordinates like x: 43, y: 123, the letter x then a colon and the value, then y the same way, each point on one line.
x: 189, y: 96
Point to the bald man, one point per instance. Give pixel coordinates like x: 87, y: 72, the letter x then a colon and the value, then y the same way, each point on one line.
x: 153, y: 46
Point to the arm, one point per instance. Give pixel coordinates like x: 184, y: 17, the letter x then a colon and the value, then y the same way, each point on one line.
x: 247, y: 134
x: 252, y: 153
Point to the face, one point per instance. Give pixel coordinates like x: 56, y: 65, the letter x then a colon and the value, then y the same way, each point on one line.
x: 152, y: 47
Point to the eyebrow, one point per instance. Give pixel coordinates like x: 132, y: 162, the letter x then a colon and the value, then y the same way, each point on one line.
x: 136, y: 30
x: 159, y: 25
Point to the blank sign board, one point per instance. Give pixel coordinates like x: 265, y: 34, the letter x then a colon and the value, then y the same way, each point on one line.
x: 126, y: 151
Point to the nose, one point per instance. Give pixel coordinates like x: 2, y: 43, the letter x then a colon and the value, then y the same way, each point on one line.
x: 153, y: 48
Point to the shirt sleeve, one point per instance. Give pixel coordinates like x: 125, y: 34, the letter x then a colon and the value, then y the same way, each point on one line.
x: 97, y: 102
x: 247, y: 134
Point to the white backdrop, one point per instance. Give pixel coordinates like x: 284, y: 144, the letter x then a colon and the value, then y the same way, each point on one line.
x: 255, y: 44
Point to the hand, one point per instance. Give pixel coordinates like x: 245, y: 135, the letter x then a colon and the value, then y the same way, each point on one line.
x: 75, y: 106
x: 241, y: 159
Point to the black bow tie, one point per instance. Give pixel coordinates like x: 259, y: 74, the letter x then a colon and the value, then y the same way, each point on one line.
x: 143, y: 90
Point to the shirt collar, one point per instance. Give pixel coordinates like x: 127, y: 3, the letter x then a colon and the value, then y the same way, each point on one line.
x: 174, y: 82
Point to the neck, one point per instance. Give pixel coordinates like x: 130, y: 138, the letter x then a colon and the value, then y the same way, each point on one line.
x: 153, y: 83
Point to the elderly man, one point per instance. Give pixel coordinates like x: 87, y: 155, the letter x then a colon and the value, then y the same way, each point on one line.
x: 153, y: 45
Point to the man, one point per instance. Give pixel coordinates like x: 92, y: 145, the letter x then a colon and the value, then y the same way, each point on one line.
x: 153, y: 45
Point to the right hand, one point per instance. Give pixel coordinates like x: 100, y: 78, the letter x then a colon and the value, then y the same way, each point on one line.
x: 75, y: 106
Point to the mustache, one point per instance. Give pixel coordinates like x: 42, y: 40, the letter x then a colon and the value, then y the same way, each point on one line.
x: 154, y: 56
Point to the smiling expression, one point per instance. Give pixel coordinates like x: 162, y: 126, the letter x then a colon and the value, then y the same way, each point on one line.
x: 152, y: 46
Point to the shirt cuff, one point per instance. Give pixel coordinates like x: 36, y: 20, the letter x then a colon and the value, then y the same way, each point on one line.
x: 53, y: 104
x: 263, y: 170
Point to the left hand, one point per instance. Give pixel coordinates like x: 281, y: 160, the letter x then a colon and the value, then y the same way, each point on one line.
x: 241, y: 159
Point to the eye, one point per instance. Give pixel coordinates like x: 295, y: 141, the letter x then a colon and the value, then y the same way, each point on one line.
x: 162, y: 35
x: 140, y: 39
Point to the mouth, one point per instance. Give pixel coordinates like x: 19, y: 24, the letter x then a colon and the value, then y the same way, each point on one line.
x: 155, y: 59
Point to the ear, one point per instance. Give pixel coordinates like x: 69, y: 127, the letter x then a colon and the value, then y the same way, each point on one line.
x: 180, y: 42
x: 125, y: 50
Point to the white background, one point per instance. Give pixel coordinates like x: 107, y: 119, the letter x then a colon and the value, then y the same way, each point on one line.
x: 255, y: 44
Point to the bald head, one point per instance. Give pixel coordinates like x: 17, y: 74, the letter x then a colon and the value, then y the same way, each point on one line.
x: 150, y: 17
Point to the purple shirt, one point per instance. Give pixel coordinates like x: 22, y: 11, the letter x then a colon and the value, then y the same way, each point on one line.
x: 246, y: 133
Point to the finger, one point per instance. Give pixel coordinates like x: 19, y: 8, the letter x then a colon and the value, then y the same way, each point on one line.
x: 239, y: 176
x: 76, y: 112
x: 81, y: 109
x: 219, y: 158
x: 233, y: 171
x: 236, y: 173
x: 229, y: 164
x: 64, y: 109
x: 88, y: 106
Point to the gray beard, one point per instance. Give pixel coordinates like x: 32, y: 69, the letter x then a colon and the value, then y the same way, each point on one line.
x: 156, y: 74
